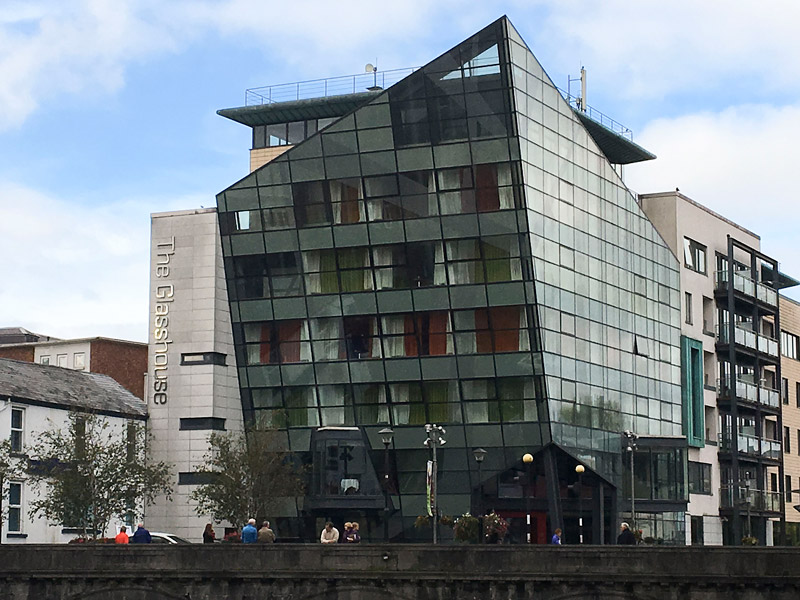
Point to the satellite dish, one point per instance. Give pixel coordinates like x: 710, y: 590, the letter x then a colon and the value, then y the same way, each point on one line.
x: 370, y: 68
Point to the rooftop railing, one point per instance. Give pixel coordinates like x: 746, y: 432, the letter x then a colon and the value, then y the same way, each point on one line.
x: 323, y: 88
x: 596, y: 115
x: 352, y: 84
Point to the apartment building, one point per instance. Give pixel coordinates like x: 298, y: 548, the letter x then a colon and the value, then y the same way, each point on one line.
x: 731, y: 371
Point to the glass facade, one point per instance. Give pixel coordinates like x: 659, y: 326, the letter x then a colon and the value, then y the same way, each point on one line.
x: 457, y: 250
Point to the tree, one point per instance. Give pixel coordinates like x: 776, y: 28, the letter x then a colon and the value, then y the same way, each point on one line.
x: 10, y: 468
x: 250, y: 473
x: 92, y: 471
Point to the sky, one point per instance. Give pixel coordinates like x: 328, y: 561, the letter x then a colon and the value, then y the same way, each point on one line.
x: 108, y: 114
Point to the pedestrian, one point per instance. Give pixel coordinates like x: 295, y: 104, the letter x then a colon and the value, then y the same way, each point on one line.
x: 626, y: 537
x: 354, y: 537
x: 348, y: 529
x: 265, y: 534
x: 249, y: 532
x: 209, y: 537
x: 122, y: 537
x: 141, y: 535
x: 329, y: 535
x: 556, y: 539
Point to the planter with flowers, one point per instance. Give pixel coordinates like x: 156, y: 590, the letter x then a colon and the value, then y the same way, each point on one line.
x: 495, y: 528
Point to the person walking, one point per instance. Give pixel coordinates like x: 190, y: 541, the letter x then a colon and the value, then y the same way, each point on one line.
x: 249, y: 532
x: 626, y: 537
x: 122, y: 537
x: 209, y: 537
x: 556, y: 539
x: 141, y: 535
x: 265, y: 534
x: 329, y: 535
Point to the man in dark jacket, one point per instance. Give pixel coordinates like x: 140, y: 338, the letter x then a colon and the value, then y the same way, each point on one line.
x: 141, y: 536
x: 626, y: 537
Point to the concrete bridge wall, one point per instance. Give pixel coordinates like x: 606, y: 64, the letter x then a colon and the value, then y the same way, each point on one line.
x: 403, y: 572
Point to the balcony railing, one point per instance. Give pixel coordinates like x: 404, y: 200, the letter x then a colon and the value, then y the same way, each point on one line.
x: 745, y: 497
x: 750, y: 339
x: 748, y: 286
x: 750, y: 392
x: 751, y: 445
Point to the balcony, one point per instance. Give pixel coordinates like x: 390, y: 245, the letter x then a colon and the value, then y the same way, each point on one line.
x: 750, y: 445
x: 745, y: 336
x: 748, y: 286
x: 749, y: 392
x: 746, y: 498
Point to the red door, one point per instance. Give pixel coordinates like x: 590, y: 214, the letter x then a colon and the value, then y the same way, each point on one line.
x: 526, y: 528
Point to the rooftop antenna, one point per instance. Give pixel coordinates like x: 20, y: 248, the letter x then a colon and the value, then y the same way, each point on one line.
x: 370, y: 68
x: 580, y: 102
x: 583, y: 89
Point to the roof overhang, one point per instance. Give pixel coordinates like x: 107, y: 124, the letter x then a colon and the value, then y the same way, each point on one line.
x: 784, y: 281
x: 618, y: 149
x: 297, y: 110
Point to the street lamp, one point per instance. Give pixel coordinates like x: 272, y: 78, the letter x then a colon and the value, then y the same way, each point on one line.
x: 527, y: 459
x: 435, y: 433
x: 631, y: 438
x: 387, y: 433
x: 479, y: 454
x: 579, y: 469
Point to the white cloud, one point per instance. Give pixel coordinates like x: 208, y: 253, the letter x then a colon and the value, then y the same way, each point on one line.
x: 76, y: 271
x: 740, y: 162
x: 49, y: 48
x: 649, y: 48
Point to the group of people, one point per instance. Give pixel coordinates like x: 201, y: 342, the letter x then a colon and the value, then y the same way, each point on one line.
x: 140, y: 536
x: 330, y: 535
x: 625, y: 538
x: 251, y: 535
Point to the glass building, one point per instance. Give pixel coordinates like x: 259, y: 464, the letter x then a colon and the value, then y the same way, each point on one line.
x: 457, y: 249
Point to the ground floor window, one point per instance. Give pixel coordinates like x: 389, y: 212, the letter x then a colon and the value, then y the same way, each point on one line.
x: 697, y: 530
x: 14, y: 507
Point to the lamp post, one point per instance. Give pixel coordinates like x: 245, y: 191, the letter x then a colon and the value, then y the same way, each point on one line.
x: 479, y: 454
x: 579, y: 469
x: 631, y: 438
x: 435, y: 433
x: 527, y: 460
x: 387, y: 433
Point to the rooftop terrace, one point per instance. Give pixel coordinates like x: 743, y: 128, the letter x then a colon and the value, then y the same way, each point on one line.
x: 307, y: 99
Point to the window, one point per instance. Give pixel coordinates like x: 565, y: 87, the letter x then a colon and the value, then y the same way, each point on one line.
x: 692, y: 391
x: 788, y: 489
x: 699, y: 478
x: 694, y: 256
x: 17, y: 429
x: 688, y: 308
x: 79, y: 361
x: 798, y: 441
x: 61, y: 360
x: 790, y: 345
x: 697, y: 530
x: 797, y: 393
x: 45, y: 359
x: 785, y: 390
x: 15, y: 507
x: 277, y: 342
x: 787, y: 440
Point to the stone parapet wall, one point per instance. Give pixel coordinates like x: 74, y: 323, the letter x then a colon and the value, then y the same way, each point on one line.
x: 381, y: 572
